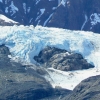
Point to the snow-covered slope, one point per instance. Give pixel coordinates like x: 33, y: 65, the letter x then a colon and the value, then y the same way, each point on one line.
x: 4, y: 21
x: 2, y: 17
x: 25, y: 42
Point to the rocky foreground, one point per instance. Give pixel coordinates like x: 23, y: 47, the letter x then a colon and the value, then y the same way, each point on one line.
x: 25, y: 82
x: 20, y: 82
x: 88, y: 89
x: 16, y: 83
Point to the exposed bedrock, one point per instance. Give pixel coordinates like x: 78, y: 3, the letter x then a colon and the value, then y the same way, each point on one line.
x: 61, y: 59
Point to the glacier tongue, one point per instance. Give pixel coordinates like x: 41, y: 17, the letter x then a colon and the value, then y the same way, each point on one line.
x: 25, y: 42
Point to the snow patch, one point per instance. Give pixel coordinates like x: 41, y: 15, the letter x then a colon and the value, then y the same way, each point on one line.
x: 30, y: 20
x: 14, y: 9
x: 41, y: 13
x: 42, y: 10
x: 54, y: 8
x: 70, y: 79
x: 63, y: 2
x: 37, y: 1
x: 86, y: 18
x: 95, y: 18
x: 47, y: 19
x: 38, y: 22
x: 28, y: 9
x: 24, y: 7
x: 6, y: 10
x: 59, y: 1
x: 5, y: 1
x: 0, y: 0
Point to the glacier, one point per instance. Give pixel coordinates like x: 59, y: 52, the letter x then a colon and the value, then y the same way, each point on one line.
x: 25, y: 42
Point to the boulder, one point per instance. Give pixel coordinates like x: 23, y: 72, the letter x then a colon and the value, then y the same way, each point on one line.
x: 61, y: 59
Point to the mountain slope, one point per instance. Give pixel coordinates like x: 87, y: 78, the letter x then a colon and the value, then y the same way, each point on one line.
x: 78, y: 15
x: 28, y: 11
x: 68, y: 14
x: 19, y: 82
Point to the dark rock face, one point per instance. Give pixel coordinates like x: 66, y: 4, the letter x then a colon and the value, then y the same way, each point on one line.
x: 74, y: 15
x: 71, y: 15
x: 61, y: 59
x: 18, y: 82
x: 88, y: 89
x: 28, y: 12
x: 77, y: 15
x: 59, y: 94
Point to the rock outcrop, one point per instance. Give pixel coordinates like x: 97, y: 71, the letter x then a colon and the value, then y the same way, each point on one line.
x: 61, y: 59
x: 88, y: 89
